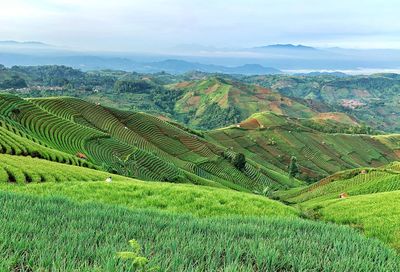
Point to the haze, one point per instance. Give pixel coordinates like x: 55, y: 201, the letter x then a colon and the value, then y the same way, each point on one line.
x: 159, y: 25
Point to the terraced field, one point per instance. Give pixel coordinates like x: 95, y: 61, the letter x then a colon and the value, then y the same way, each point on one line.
x: 45, y: 178
x: 51, y: 203
x: 233, y: 100
x: 45, y: 220
x: 371, y: 202
x: 271, y: 140
x: 129, y: 143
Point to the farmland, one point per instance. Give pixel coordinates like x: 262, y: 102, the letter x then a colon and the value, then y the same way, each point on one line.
x: 133, y: 144
x: 46, y: 178
x: 372, y: 202
x: 77, y: 201
x: 270, y: 244
x: 191, y: 98
x: 271, y: 140
x: 260, y: 191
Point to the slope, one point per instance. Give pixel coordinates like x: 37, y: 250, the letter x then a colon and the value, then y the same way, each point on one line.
x: 216, y: 102
x: 320, y: 146
x: 130, y: 143
x: 41, y: 177
x: 371, y: 201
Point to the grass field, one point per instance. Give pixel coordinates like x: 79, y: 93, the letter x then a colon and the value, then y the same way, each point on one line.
x: 183, y: 195
x: 372, y: 205
x: 41, y: 177
x: 377, y: 215
x: 57, y: 234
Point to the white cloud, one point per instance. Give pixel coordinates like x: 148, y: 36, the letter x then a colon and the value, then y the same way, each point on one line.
x: 152, y: 24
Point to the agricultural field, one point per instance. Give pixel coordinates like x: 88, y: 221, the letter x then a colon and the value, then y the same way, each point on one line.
x: 44, y: 218
x: 79, y: 180
x: 370, y: 202
x: 271, y: 139
x: 210, y: 101
x: 45, y: 178
x: 47, y: 234
x: 129, y: 143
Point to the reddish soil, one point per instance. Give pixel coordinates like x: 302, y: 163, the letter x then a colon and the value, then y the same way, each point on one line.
x: 263, y: 90
x: 211, y: 89
x: 251, y: 123
x: 183, y: 84
x: 334, y: 116
x: 193, y: 101
x: 275, y: 107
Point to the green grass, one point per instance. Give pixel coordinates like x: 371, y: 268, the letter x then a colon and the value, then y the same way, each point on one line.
x: 173, y: 198
x: 43, y: 234
x: 372, y: 206
x: 354, y: 182
x: 377, y: 215
x: 20, y: 169
x: 53, y: 179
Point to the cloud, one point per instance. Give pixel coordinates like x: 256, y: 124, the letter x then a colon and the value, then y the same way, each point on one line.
x: 160, y: 24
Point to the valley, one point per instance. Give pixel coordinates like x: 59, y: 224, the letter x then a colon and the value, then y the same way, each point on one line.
x: 208, y: 172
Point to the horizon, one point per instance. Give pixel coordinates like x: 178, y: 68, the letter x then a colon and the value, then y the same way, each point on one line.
x: 160, y: 26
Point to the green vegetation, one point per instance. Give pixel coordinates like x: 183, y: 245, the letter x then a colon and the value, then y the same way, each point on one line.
x: 212, y: 100
x: 360, y: 96
x: 293, y: 168
x: 138, y: 262
x: 129, y: 143
x: 42, y: 233
x: 377, y: 215
x: 271, y: 140
x: 79, y: 178
x: 51, y: 179
x: 372, y: 198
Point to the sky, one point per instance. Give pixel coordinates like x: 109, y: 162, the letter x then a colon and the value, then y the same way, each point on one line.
x: 157, y: 25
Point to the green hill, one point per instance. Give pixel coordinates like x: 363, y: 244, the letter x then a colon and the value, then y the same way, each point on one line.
x: 129, y: 143
x: 57, y: 234
x: 371, y: 202
x: 271, y: 139
x: 372, y: 99
x: 49, y: 208
x: 45, y: 178
x: 215, y: 102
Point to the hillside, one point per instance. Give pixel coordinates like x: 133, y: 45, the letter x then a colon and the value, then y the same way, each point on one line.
x: 216, y: 101
x: 372, y: 198
x: 372, y: 99
x: 129, y: 143
x: 64, y: 204
x: 322, y: 147
x: 210, y: 101
x: 35, y: 176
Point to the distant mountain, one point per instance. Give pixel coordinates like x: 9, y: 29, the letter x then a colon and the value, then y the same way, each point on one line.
x: 24, y: 44
x: 174, y: 66
x: 249, y: 61
x: 287, y: 47
x: 335, y: 74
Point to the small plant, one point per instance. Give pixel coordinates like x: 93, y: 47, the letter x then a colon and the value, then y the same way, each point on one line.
x: 139, y: 263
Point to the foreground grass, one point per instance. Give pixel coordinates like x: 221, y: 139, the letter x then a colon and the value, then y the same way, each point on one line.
x: 54, y: 234
x: 378, y: 215
x: 174, y: 198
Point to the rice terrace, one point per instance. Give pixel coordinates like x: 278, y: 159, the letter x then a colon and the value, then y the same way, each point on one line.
x: 203, y: 137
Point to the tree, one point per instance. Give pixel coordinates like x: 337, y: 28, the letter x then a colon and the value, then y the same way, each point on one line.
x: 293, y: 167
x: 239, y: 161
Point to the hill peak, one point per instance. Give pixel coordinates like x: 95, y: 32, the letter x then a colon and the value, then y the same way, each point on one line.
x: 287, y: 46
